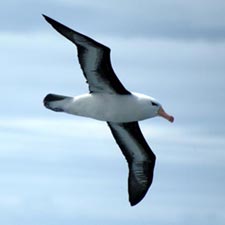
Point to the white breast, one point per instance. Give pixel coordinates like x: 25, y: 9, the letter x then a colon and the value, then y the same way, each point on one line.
x: 113, y: 108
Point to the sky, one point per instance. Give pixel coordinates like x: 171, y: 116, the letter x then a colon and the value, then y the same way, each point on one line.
x: 59, y: 169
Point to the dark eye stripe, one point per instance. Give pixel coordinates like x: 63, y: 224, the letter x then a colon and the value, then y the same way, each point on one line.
x: 155, y: 104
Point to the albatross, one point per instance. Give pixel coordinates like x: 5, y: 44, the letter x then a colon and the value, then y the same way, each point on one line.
x: 108, y: 100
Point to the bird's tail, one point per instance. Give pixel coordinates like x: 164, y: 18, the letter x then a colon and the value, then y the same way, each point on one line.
x: 55, y: 102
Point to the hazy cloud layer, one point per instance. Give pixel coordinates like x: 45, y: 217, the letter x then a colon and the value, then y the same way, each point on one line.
x: 48, y: 179
x: 171, y: 19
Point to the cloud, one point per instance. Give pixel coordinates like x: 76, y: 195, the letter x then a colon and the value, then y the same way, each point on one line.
x: 57, y: 172
x: 189, y: 20
x: 48, y: 63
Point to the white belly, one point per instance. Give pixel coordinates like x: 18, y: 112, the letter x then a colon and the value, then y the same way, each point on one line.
x: 113, y: 108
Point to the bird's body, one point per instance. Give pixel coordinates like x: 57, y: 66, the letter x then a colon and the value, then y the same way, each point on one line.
x: 108, y: 100
x: 108, y: 107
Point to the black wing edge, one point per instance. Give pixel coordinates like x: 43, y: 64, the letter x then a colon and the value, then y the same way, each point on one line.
x: 67, y: 32
x: 135, y: 189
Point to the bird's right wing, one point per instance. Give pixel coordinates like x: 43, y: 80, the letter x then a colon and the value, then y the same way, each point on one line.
x: 140, y: 158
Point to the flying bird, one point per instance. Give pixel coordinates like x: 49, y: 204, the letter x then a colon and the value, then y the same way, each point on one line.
x: 108, y: 100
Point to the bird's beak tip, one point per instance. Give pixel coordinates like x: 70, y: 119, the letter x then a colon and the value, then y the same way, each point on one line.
x: 171, y: 119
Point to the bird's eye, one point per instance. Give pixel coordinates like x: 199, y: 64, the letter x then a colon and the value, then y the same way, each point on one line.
x: 155, y: 104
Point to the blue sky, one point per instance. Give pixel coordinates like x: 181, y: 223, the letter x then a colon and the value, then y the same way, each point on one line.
x: 59, y: 169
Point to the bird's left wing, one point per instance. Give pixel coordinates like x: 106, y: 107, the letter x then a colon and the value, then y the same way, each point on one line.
x: 140, y: 158
x: 94, y: 59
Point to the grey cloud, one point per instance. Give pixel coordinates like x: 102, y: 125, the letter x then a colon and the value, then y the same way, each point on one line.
x: 54, y: 172
x: 189, y: 20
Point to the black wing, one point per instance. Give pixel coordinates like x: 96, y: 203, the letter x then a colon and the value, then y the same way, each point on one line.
x: 94, y: 59
x: 140, y: 158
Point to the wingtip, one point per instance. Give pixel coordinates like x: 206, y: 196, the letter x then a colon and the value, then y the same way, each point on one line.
x: 48, y: 19
x: 137, y: 195
x: 134, y: 202
x: 44, y: 16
